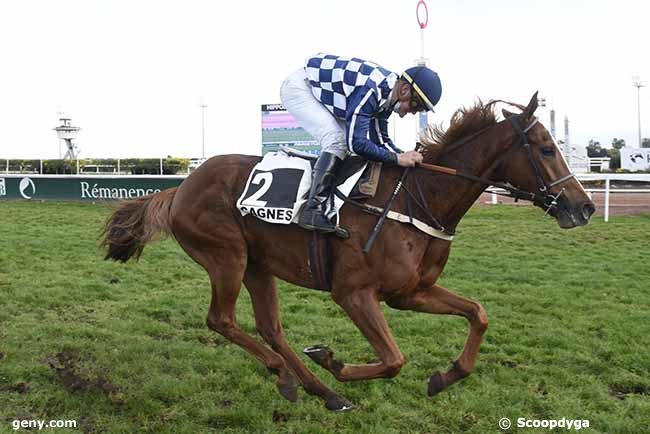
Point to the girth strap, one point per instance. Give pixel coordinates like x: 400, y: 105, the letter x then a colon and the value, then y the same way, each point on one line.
x: 429, y: 230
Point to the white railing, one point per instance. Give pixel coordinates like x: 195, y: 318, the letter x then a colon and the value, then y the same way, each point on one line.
x: 599, y: 163
x: 116, y: 169
x: 607, y: 177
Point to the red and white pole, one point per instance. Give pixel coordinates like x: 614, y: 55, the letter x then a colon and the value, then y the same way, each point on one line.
x: 422, y: 15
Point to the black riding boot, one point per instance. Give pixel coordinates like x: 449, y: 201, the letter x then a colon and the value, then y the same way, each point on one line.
x: 323, y: 176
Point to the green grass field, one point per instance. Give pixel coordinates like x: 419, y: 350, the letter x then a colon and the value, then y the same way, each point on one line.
x: 124, y: 348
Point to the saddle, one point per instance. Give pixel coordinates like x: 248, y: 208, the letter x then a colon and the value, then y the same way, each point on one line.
x: 365, y: 188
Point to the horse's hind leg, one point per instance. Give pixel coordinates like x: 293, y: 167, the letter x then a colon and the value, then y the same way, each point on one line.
x: 264, y: 295
x: 364, y: 310
x: 226, y: 278
x: 442, y: 301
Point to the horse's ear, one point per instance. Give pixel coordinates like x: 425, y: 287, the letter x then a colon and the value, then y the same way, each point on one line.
x: 506, y: 114
x: 532, y: 106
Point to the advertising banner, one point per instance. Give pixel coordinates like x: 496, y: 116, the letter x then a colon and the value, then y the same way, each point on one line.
x: 85, y: 188
x: 634, y: 159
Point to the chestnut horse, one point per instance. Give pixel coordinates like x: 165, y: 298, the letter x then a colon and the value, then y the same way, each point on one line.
x: 401, y: 269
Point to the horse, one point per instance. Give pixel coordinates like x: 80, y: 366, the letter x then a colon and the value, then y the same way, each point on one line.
x: 400, y: 270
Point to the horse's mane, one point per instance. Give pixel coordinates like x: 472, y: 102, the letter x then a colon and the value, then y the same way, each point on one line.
x: 464, y: 122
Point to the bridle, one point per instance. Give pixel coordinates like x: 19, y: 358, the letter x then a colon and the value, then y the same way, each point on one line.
x: 542, y: 197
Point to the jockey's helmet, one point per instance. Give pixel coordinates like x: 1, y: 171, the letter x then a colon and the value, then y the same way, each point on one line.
x: 426, y: 83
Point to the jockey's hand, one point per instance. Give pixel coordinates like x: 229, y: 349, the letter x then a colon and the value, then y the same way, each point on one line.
x: 409, y: 158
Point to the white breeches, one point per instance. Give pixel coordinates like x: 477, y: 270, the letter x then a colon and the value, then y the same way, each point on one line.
x: 297, y: 98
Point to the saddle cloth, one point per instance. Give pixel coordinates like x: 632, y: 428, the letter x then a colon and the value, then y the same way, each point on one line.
x: 278, y: 186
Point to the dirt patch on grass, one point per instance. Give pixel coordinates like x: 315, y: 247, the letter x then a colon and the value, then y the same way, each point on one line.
x: 161, y: 315
x: 507, y: 363
x: 161, y: 337
x: 210, y: 341
x: 74, y: 314
x: 65, y: 364
x: 87, y: 425
x: 20, y: 387
x: 622, y: 391
x: 279, y: 417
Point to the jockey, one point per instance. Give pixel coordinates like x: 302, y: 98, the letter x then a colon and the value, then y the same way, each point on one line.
x: 345, y: 103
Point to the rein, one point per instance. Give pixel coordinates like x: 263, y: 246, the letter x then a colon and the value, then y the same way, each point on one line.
x: 515, y: 192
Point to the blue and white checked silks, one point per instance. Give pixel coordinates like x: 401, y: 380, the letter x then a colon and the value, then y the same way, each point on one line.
x: 356, y: 94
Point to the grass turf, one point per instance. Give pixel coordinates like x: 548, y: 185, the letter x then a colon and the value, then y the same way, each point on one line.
x: 124, y: 348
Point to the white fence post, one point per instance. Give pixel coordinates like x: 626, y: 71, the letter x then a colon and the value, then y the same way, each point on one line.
x: 607, y: 199
x: 40, y: 170
x: 161, y: 166
x: 7, y: 166
x: 494, y: 198
x: 77, y: 166
x: 118, y: 167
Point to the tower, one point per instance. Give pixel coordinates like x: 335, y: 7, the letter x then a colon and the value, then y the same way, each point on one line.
x: 68, y: 133
x: 553, y: 123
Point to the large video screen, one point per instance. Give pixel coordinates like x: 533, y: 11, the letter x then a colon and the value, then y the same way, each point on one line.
x: 279, y: 128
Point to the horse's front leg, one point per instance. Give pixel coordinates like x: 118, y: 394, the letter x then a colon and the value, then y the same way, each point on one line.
x: 442, y: 301
x: 364, y: 310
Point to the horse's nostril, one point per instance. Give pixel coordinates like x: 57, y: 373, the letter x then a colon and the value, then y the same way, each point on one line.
x: 588, y: 209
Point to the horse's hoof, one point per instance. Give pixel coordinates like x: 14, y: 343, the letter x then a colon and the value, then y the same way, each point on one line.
x: 288, y: 388
x: 436, y: 384
x: 318, y: 353
x: 338, y: 403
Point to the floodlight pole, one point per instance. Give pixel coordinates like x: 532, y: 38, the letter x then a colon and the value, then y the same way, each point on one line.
x: 203, y: 107
x: 636, y: 82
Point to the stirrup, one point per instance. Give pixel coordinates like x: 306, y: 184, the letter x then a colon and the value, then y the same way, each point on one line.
x: 337, y: 230
x: 341, y: 233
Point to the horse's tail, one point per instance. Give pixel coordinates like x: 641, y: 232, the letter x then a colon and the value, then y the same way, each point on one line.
x: 135, y: 223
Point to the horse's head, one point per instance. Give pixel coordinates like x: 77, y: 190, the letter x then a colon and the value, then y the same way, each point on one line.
x: 535, y: 164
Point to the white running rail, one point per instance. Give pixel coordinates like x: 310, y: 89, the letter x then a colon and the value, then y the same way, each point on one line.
x: 607, y: 177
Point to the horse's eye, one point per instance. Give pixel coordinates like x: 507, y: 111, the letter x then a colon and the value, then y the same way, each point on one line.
x: 548, y: 151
